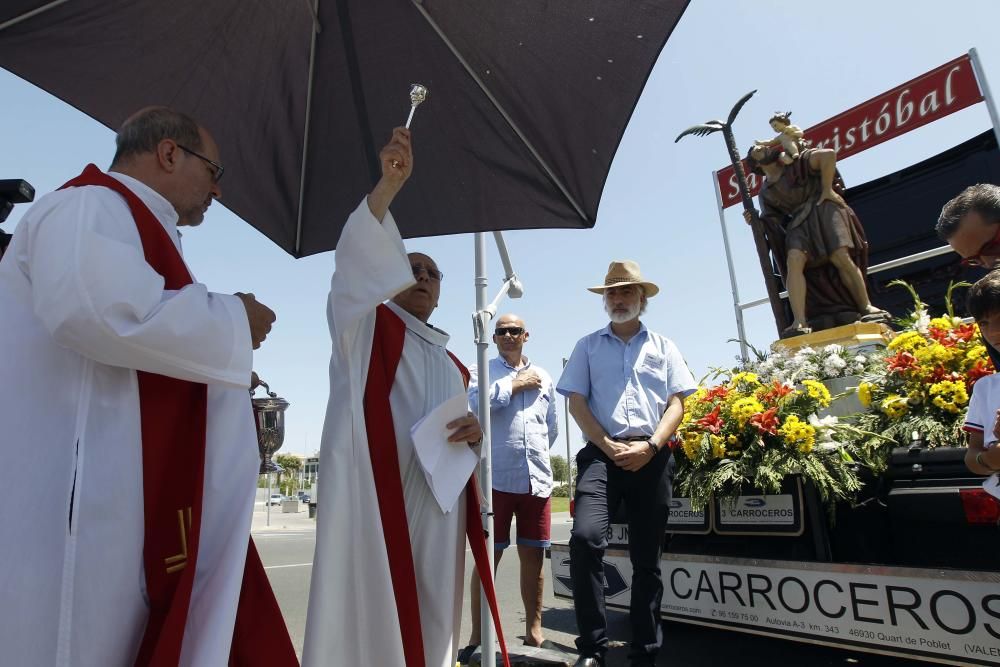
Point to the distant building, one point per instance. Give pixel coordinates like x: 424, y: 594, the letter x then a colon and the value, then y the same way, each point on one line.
x: 310, y: 469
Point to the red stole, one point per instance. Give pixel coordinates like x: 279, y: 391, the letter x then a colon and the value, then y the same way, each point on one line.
x: 387, y: 350
x: 173, y: 418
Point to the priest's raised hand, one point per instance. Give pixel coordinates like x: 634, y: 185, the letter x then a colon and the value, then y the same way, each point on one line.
x: 397, y: 165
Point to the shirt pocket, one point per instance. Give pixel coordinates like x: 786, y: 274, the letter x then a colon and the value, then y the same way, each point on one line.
x: 652, y: 371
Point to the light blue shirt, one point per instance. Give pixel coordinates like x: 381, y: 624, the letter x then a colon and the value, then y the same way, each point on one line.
x: 627, y: 385
x: 522, y: 428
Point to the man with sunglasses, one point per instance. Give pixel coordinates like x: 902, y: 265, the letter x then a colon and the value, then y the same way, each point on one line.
x: 970, y: 224
x: 130, y: 422
x: 524, y: 426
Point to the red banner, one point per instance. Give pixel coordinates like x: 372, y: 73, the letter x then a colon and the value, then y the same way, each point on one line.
x: 927, y: 98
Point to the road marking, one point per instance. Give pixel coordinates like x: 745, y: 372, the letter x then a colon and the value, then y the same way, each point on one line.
x: 278, y: 567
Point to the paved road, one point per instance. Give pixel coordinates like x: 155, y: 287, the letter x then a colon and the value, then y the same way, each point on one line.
x: 286, y: 547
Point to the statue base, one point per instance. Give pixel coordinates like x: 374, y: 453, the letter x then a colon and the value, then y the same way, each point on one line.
x: 852, y: 336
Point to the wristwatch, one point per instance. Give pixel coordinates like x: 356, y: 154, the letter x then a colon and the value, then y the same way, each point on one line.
x: 656, y: 450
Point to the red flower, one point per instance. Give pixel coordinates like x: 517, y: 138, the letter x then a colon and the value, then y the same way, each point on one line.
x: 901, y: 362
x: 767, y: 421
x: 716, y: 392
x: 711, y: 422
x: 776, y: 392
x: 939, y: 373
x: 940, y: 335
x: 976, y: 372
x: 964, y: 332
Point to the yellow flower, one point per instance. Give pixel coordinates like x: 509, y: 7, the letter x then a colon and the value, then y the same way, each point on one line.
x: 894, y: 406
x: 746, y: 377
x: 797, y: 433
x: 975, y: 353
x: 948, y: 395
x: 865, y: 394
x: 718, y: 447
x: 907, y: 341
x: 944, y: 322
x: 933, y: 355
x: 817, y: 391
x: 732, y: 440
x: 691, y: 444
x: 745, y: 408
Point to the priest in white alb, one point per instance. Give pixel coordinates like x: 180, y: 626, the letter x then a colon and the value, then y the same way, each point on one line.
x: 388, y: 572
x: 127, y: 429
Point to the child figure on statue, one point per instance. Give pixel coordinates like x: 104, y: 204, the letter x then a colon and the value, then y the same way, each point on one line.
x: 789, y: 137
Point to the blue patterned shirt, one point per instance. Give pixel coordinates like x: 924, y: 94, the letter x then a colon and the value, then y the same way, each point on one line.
x: 522, y: 428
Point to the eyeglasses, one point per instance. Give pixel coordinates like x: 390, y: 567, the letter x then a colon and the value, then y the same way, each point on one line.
x: 432, y: 273
x: 217, y: 169
x: 512, y: 331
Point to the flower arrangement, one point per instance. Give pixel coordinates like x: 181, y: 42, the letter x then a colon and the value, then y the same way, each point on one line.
x: 831, y: 361
x: 745, y: 432
x: 926, y: 379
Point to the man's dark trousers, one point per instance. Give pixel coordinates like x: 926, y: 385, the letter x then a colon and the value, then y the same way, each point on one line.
x: 600, y: 487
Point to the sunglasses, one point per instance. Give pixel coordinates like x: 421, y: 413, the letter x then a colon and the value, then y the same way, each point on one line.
x: 989, y: 249
x: 514, y: 332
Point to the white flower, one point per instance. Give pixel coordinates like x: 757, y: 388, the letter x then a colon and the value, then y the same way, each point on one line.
x: 833, y: 348
x: 922, y: 321
x: 825, y: 429
x: 827, y: 422
x: 833, y: 367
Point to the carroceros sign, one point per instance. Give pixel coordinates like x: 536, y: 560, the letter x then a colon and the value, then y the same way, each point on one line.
x: 927, y: 98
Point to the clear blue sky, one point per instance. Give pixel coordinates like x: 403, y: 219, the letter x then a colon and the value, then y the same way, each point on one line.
x: 658, y: 207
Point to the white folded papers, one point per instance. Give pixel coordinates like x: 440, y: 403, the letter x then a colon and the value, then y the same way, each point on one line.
x: 447, y: 465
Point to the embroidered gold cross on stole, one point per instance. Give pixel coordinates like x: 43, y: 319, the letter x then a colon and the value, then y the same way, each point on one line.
x: 179, y: 562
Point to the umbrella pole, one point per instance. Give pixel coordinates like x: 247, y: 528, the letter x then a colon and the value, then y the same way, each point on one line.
x: 481, y: 322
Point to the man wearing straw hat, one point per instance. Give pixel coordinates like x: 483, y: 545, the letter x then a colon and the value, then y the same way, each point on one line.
x: 625, y: 386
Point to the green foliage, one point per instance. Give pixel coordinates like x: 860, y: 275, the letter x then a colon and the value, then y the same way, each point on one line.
x: 561, y: 491
x: 832, y: 471
x: 560, y: 469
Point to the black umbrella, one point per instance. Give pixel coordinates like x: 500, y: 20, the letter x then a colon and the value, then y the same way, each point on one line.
x: 528, y: 98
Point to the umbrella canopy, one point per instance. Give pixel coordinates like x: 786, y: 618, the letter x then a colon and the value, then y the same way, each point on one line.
x: 528, y: 99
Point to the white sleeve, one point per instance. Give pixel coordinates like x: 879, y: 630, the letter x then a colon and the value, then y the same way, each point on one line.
x: 96, y: 295
x: 371, y: 266
x: 979, y: 416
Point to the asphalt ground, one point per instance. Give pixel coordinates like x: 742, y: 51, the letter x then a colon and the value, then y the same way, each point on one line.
x: 286, y: 548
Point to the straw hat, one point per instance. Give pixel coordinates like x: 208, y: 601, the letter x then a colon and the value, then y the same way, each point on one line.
x: 625, y: 272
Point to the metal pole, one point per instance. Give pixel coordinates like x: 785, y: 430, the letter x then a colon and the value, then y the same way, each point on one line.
x: 268, y: 501
x: 740, y: 330
x: 984, y: 88
x: 487, y: 633
x: 569, y: 457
